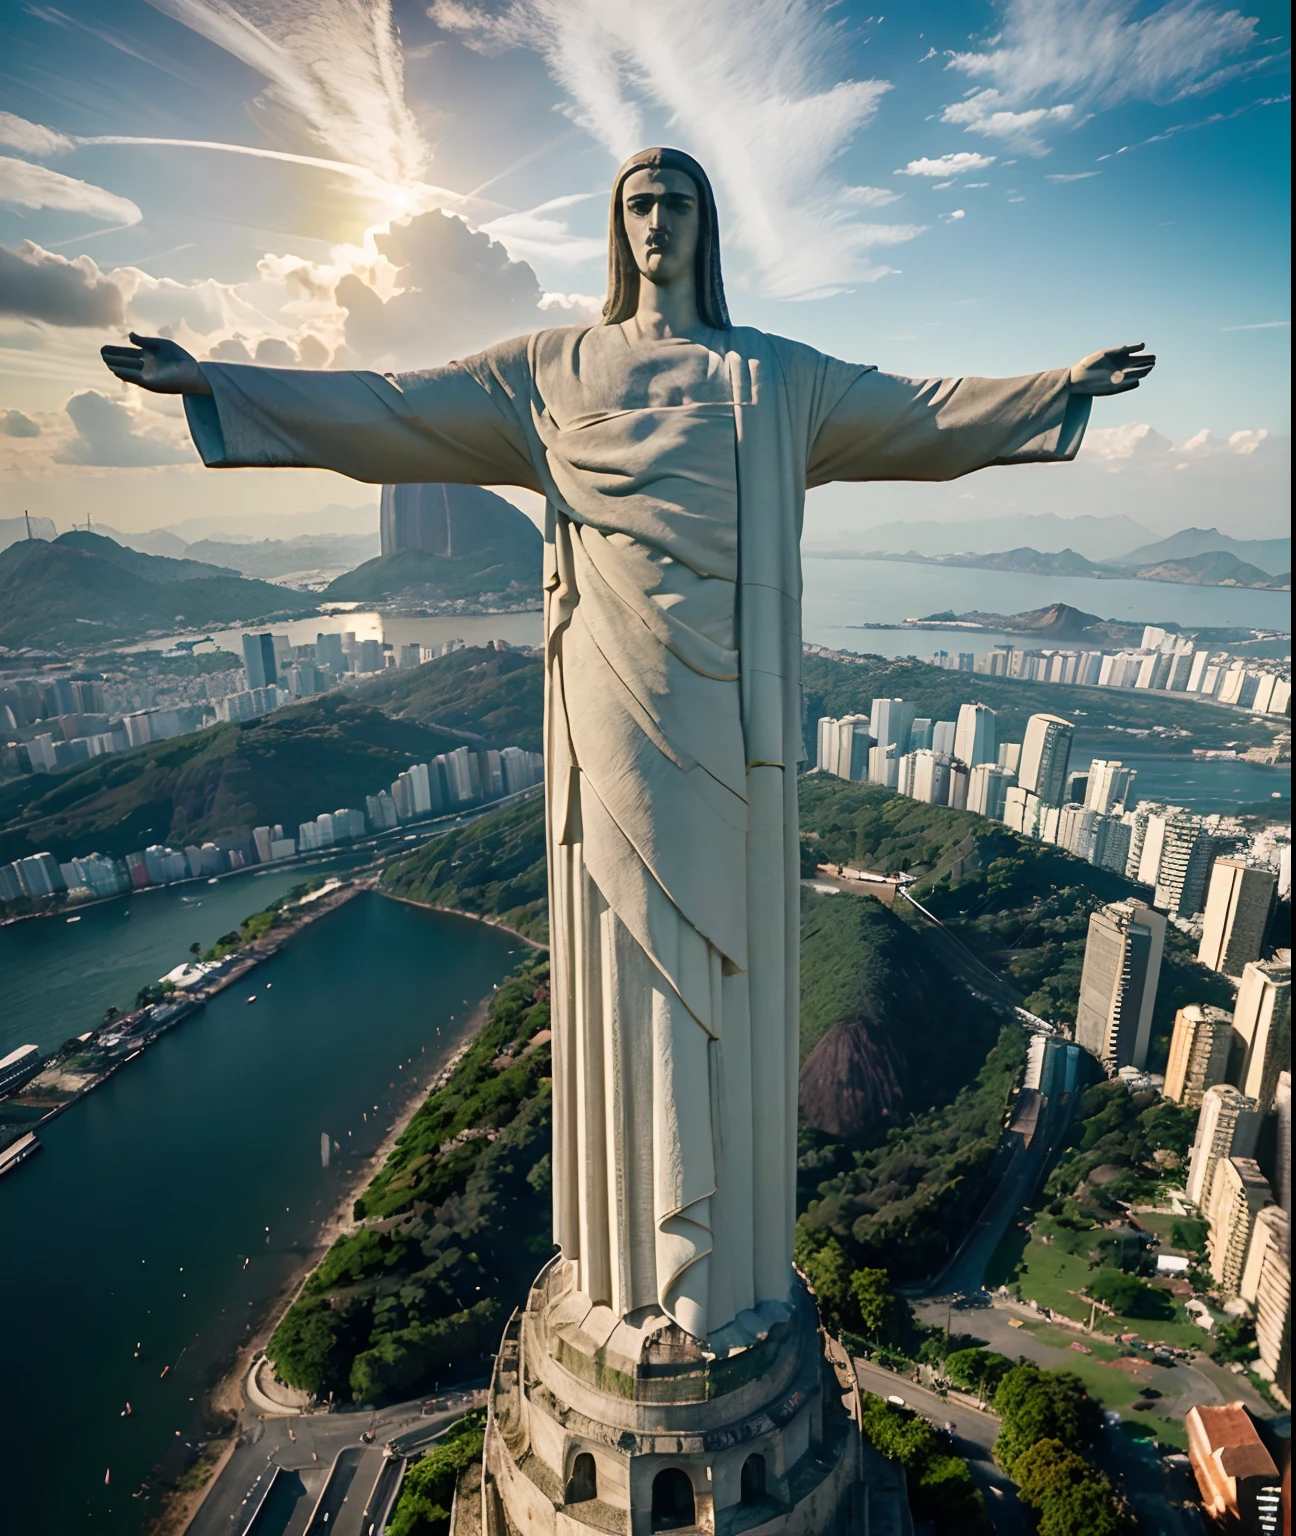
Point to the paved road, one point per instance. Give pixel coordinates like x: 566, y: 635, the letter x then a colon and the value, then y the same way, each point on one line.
x: 306, y: 1445
x: 1150, y: 1483
x: 966, y: 1270
x: 974, y: 1435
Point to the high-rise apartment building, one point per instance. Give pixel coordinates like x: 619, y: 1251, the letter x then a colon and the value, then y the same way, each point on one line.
x: 988, y: 786
x: 259, y: 660
x: 1228, y: 1126
x: 931, y: 777
x: 843, y: 746
x: 1187, y: 849
x: 920, y: 734
x: 1109, y: 786
x: 943, y: 736
x: 1118, y: 984
x: 1262, y: 1019
x: 1238, y: 903
x: 1239, y: 1192
x: 1282, y: 1104
x: 892, y: 721
x: 974, y: 735
x: 1266, y: 1285
x: 884, y: 766
x: 1046, y: 752
x: 1199, y: 1053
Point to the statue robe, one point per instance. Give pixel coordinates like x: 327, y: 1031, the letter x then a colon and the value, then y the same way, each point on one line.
x: 674, y: 475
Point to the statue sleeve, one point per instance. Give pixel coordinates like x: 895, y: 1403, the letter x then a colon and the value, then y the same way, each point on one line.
x: 890, y: 428
x: 443, y: 425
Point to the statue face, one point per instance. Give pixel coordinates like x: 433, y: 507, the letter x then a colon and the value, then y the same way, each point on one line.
x: 660, y: 211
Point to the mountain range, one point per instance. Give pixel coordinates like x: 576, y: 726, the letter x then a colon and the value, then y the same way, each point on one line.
x: 1216, y: 568
x: 82, y: 587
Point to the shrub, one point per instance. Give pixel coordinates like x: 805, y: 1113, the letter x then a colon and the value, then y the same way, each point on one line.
x: 427, y: 1492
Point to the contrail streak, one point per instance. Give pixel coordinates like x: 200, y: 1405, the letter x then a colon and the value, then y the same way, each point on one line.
x: 421, y: 192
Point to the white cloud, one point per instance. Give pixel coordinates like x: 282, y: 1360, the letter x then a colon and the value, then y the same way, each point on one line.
x: 958, y: 213
x: 746, y: 85
x: 36, y: 186
x: 1073, y: 176
x: 31, y: 138
x: 18, y: 424
x: 948, y: 165
x: 870, y: 197
x: 110, y: 434
x: 1095, y: 54
x: 36, y: 284
x: 334, y: 69
x: 1260, y: 325
x: 982, y: 112
x: 531, y: 236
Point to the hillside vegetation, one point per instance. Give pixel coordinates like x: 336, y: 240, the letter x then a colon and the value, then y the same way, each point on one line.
x: 1021, y: 907
x: 416, y: 574
x: 498, y: 695
x: 222, y: 781
x: 83, y: 588
x: 495, y: 868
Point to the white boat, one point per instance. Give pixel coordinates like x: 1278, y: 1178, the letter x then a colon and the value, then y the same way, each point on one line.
x: 74, y: 919
x: 253, y: 998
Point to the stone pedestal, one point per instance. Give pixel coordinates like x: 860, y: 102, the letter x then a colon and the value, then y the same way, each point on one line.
x: 629, y: 1426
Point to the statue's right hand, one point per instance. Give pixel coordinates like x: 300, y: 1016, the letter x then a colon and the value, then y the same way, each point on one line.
x: 157, y: 364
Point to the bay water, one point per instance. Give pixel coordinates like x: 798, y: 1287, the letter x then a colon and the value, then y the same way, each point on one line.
x: 171, y: 1206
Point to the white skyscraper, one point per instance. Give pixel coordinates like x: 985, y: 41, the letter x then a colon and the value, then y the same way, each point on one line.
x: 931, y: 777
x: 892, y: 721
x: 988, y: 786
x: 1118, y: 983
x: 1228, y: 1126
x: 1109, y: 785
x: 1262, y: 1020
x: 1237, y: 913
x: 944, y: 733
x: 1046, y: 750
x: 974, y: 735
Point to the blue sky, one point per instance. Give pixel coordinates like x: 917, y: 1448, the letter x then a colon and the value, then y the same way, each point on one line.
x: 953, y: 188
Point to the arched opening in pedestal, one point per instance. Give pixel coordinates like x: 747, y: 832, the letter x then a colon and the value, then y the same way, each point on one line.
x: 753, y: 1480
x: 672, y: 1501
x: 583, y: 1482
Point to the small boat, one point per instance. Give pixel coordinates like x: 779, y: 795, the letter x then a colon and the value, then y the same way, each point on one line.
x: 165, y: 1369
x: 213, y: 881
x: 269, y: 984
x: 74, y: 919
x: 253, y: 998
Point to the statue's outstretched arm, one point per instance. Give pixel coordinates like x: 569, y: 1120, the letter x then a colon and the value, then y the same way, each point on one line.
x: 890, y: 428
x: 450, y: 423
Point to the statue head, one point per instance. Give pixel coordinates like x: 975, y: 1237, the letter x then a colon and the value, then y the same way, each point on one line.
x: 663, y: 221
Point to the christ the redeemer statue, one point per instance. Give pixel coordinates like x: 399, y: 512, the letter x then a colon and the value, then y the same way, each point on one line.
x: 673, y: 450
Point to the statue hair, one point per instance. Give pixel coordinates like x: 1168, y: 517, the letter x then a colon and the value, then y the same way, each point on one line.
x: 623, y: 274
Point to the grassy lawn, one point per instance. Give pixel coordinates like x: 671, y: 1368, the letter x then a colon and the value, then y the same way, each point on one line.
x: 1049, y: 1276
x: 1114, y: 1389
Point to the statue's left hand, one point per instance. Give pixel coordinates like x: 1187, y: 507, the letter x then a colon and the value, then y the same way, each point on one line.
x: 1112, y: 371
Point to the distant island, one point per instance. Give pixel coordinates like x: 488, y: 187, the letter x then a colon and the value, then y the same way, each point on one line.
x: 1217, y: 569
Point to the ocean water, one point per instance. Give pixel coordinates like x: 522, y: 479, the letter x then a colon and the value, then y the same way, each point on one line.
x: 168, y: 1208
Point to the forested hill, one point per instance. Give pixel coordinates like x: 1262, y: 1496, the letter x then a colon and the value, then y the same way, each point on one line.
x: 225, y: 780
x: 482, y: 692
x: 83, y: 588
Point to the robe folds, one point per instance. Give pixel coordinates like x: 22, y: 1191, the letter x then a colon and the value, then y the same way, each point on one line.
x: 674, y: 474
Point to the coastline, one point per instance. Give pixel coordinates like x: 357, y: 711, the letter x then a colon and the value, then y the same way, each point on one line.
x: 226, y: 1400
x: 477, y: 917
